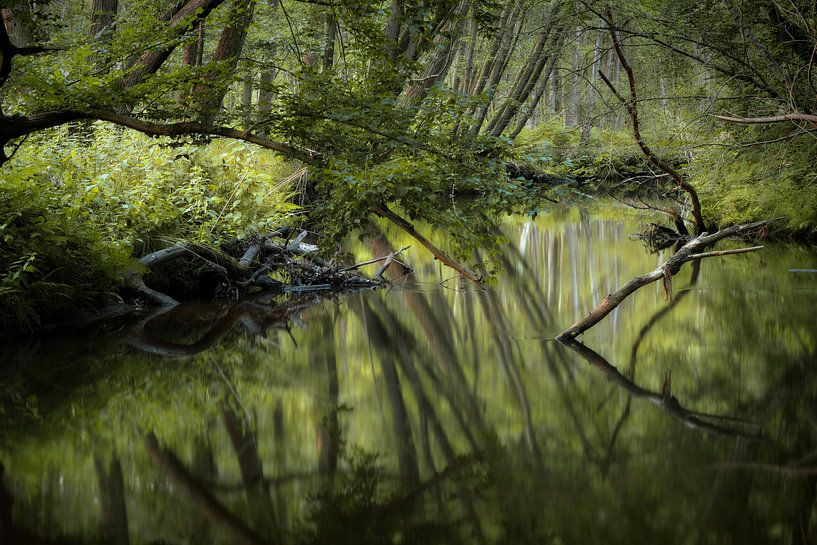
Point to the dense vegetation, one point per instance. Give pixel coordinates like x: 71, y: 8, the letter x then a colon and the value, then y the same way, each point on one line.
x: 389, y: 107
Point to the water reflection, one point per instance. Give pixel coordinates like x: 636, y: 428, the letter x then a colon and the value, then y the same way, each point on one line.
x: 424, y: 414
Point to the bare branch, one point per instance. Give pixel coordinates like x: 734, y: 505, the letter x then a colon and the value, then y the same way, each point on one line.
x: 770, y: 119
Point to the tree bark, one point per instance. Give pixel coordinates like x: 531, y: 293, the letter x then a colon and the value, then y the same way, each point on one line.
x: 19, y: 23
x: 211, y: 91
x: 180, y: 21
x: 103, y: 17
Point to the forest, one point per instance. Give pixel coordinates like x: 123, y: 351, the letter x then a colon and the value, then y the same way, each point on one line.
x: 329, y: 271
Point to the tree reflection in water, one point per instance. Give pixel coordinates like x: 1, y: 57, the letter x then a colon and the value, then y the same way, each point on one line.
x: 428, y: 415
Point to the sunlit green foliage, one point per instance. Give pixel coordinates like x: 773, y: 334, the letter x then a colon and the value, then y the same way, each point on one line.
x: 77, y: 206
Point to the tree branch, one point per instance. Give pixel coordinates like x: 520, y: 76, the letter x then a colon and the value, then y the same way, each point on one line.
x: 664, y: 271
x: 632, y: 108
x: 438, y: 254
x: 770, y: 119
x: 21, y: 126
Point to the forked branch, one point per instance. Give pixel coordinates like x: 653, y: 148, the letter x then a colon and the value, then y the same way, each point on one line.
x: 665, y: 271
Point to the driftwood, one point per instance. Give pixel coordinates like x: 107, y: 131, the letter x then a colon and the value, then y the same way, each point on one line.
x: 688, y: 252
x: 194, y: 271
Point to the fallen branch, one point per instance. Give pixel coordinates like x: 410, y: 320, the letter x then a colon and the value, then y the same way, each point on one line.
x: 769, y: 119
x: 726, y: 252
x: 386, y: 264
x: 375, y: 260
x: 436, y: 252
x: 664, y: 271
x: 251, y: 253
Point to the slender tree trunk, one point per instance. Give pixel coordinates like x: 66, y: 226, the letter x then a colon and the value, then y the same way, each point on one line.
x: 494, y: 68
x: 437, y: 66
x: 246, y: 99
x: 393, y: 29
x: 537, y: 97
x: 193, y: 50
x: 589, y: 110
x: 572, y: 118
x: 468, y: 76
x: 265, y: 93
x: 329, y: 43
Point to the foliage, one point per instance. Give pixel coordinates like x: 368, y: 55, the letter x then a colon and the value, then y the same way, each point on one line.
x: 114, y: 194
x: 761, y: 182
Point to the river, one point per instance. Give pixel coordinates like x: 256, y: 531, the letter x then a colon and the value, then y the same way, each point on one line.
x: 433, y: 412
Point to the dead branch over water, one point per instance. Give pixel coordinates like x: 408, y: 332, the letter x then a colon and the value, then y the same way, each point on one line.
x: 689, y: 252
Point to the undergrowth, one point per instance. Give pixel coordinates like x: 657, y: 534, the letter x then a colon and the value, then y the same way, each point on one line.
x: 76, y: 208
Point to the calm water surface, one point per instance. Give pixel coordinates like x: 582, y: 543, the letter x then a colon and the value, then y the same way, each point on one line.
x: 435, y: 413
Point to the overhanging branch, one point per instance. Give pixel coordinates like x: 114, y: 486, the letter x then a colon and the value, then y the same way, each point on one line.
x: 21, y: 126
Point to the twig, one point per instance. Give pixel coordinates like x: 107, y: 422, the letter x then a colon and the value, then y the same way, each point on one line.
x: 726, y: 252
x: 375, y: 260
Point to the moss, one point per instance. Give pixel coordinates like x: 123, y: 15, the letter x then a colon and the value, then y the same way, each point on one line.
x: 761, y: 182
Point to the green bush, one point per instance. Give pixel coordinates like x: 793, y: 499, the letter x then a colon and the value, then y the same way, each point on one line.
x: 74, y: 208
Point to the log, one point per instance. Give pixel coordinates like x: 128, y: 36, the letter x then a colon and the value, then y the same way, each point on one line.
x: 665, y: 271
x: 251, y: 253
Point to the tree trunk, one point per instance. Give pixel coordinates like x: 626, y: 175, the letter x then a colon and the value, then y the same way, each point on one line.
x: 572, y: 118
x: 537, y: 97
x: 246, y: 99
x: 210, y: 93
x: 103, y: 18
x: 180, y: 21
x: 329, y: 44
x: 439, y: 63
x: 530, y: 74
x: 19, y: 23
x: 493, y: 70
x: 193, y: 51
